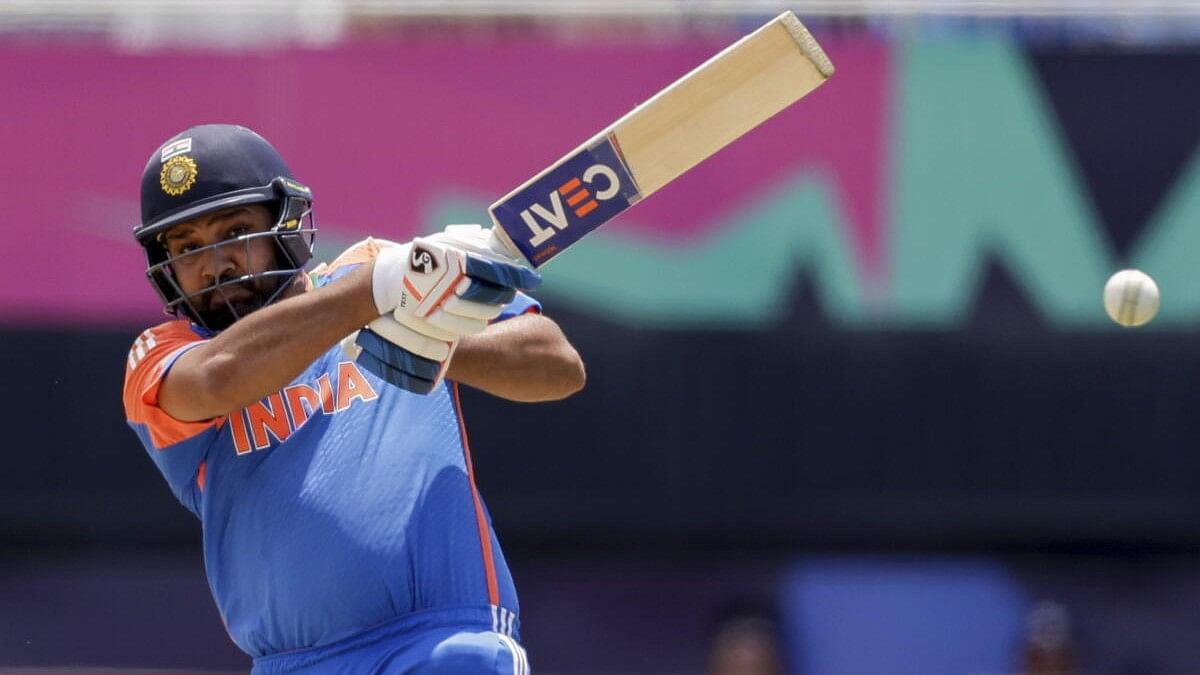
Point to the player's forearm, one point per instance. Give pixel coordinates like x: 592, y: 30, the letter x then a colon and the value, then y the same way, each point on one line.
x: 264, y: 351
x: 526, y: 358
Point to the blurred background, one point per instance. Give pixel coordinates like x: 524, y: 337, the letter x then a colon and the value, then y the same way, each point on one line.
x: 854, y: 406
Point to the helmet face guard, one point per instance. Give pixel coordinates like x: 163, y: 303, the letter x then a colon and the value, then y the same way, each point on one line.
x: 293, y: 235
x: 206, y: 169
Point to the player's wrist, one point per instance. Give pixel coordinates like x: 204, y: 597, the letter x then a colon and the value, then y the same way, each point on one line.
x: 387, y: 277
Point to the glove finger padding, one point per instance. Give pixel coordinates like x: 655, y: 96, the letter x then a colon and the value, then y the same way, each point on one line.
x: 473, y: 309
x: 486, y: 292
x: 397, y: 357
x: 374, y: 365
x: 373, y: 348
x: 502, y: 273
x: 395, y: 376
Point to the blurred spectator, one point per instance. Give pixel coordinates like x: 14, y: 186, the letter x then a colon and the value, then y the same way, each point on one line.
x: 1049, y: 648
x: 745, y: 641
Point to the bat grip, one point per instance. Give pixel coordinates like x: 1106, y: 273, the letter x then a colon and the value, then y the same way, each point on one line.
x: 500, y: 244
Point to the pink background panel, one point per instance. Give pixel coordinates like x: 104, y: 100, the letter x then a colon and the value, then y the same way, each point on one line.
x: 378, y: 128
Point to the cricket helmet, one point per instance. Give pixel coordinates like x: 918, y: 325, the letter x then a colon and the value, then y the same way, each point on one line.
x: 212, y: 167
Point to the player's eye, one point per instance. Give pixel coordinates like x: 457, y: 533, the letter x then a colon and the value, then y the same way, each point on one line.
x: 237, y: 231
x: 186, y: 247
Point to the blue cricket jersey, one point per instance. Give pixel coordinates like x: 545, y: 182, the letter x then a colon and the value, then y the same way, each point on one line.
x: 330, y: 507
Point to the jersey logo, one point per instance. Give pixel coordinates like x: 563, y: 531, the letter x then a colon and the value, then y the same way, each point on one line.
x: 275, y: 418
x: 178, y: 175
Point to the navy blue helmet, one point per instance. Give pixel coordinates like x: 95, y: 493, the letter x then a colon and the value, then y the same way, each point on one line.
x: 205, y: 169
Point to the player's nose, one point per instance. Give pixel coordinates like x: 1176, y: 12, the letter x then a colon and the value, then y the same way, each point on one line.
x: 221, y: 264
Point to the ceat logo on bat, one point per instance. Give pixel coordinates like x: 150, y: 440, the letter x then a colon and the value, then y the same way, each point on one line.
x: 577, y: 195
x: 572, y: 199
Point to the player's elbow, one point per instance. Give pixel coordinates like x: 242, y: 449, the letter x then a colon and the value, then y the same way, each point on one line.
x: 558, y: 370
x: 552, y: 376
x: 574, y: 376
x: 570, y: 375
x: 577, y: 374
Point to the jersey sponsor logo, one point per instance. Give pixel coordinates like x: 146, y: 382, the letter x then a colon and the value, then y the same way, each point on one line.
x: 571, y: 200
x: 274, y: 419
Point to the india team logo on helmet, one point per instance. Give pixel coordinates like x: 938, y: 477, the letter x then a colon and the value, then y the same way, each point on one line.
x: 178, y: 175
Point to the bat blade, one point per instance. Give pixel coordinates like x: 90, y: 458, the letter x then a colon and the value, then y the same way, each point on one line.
x: 659, y: 140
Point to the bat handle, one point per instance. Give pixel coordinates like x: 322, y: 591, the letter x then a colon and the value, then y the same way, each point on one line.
x: 500, y: 243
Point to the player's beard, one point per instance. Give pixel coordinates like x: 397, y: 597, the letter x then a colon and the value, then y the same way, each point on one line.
x: 221, y: 307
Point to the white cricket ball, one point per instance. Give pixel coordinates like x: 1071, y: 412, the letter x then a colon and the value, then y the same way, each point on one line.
x: 1131, y: 297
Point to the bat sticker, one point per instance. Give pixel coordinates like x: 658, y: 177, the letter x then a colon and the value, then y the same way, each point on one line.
x: 574, y: 198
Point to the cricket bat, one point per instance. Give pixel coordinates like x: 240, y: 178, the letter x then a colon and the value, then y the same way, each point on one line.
x: 659, y: 140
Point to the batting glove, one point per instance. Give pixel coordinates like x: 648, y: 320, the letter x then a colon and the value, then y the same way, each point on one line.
x: 434, y: 282
x: 431, y: 292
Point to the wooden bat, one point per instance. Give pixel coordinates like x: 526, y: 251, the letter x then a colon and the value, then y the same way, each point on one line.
x: 659, y: 140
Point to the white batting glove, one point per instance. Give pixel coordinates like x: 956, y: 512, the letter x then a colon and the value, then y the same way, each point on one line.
x: 430, y: 292
x: 417, y: 279
x: 439, y: 286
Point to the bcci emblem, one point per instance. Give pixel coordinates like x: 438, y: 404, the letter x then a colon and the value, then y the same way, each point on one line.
x: 178, y: 175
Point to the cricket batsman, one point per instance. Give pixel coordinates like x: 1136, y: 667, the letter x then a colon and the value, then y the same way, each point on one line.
x: 311, y: 421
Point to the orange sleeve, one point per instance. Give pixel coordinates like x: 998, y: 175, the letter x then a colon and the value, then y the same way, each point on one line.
x: 151, y: 356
